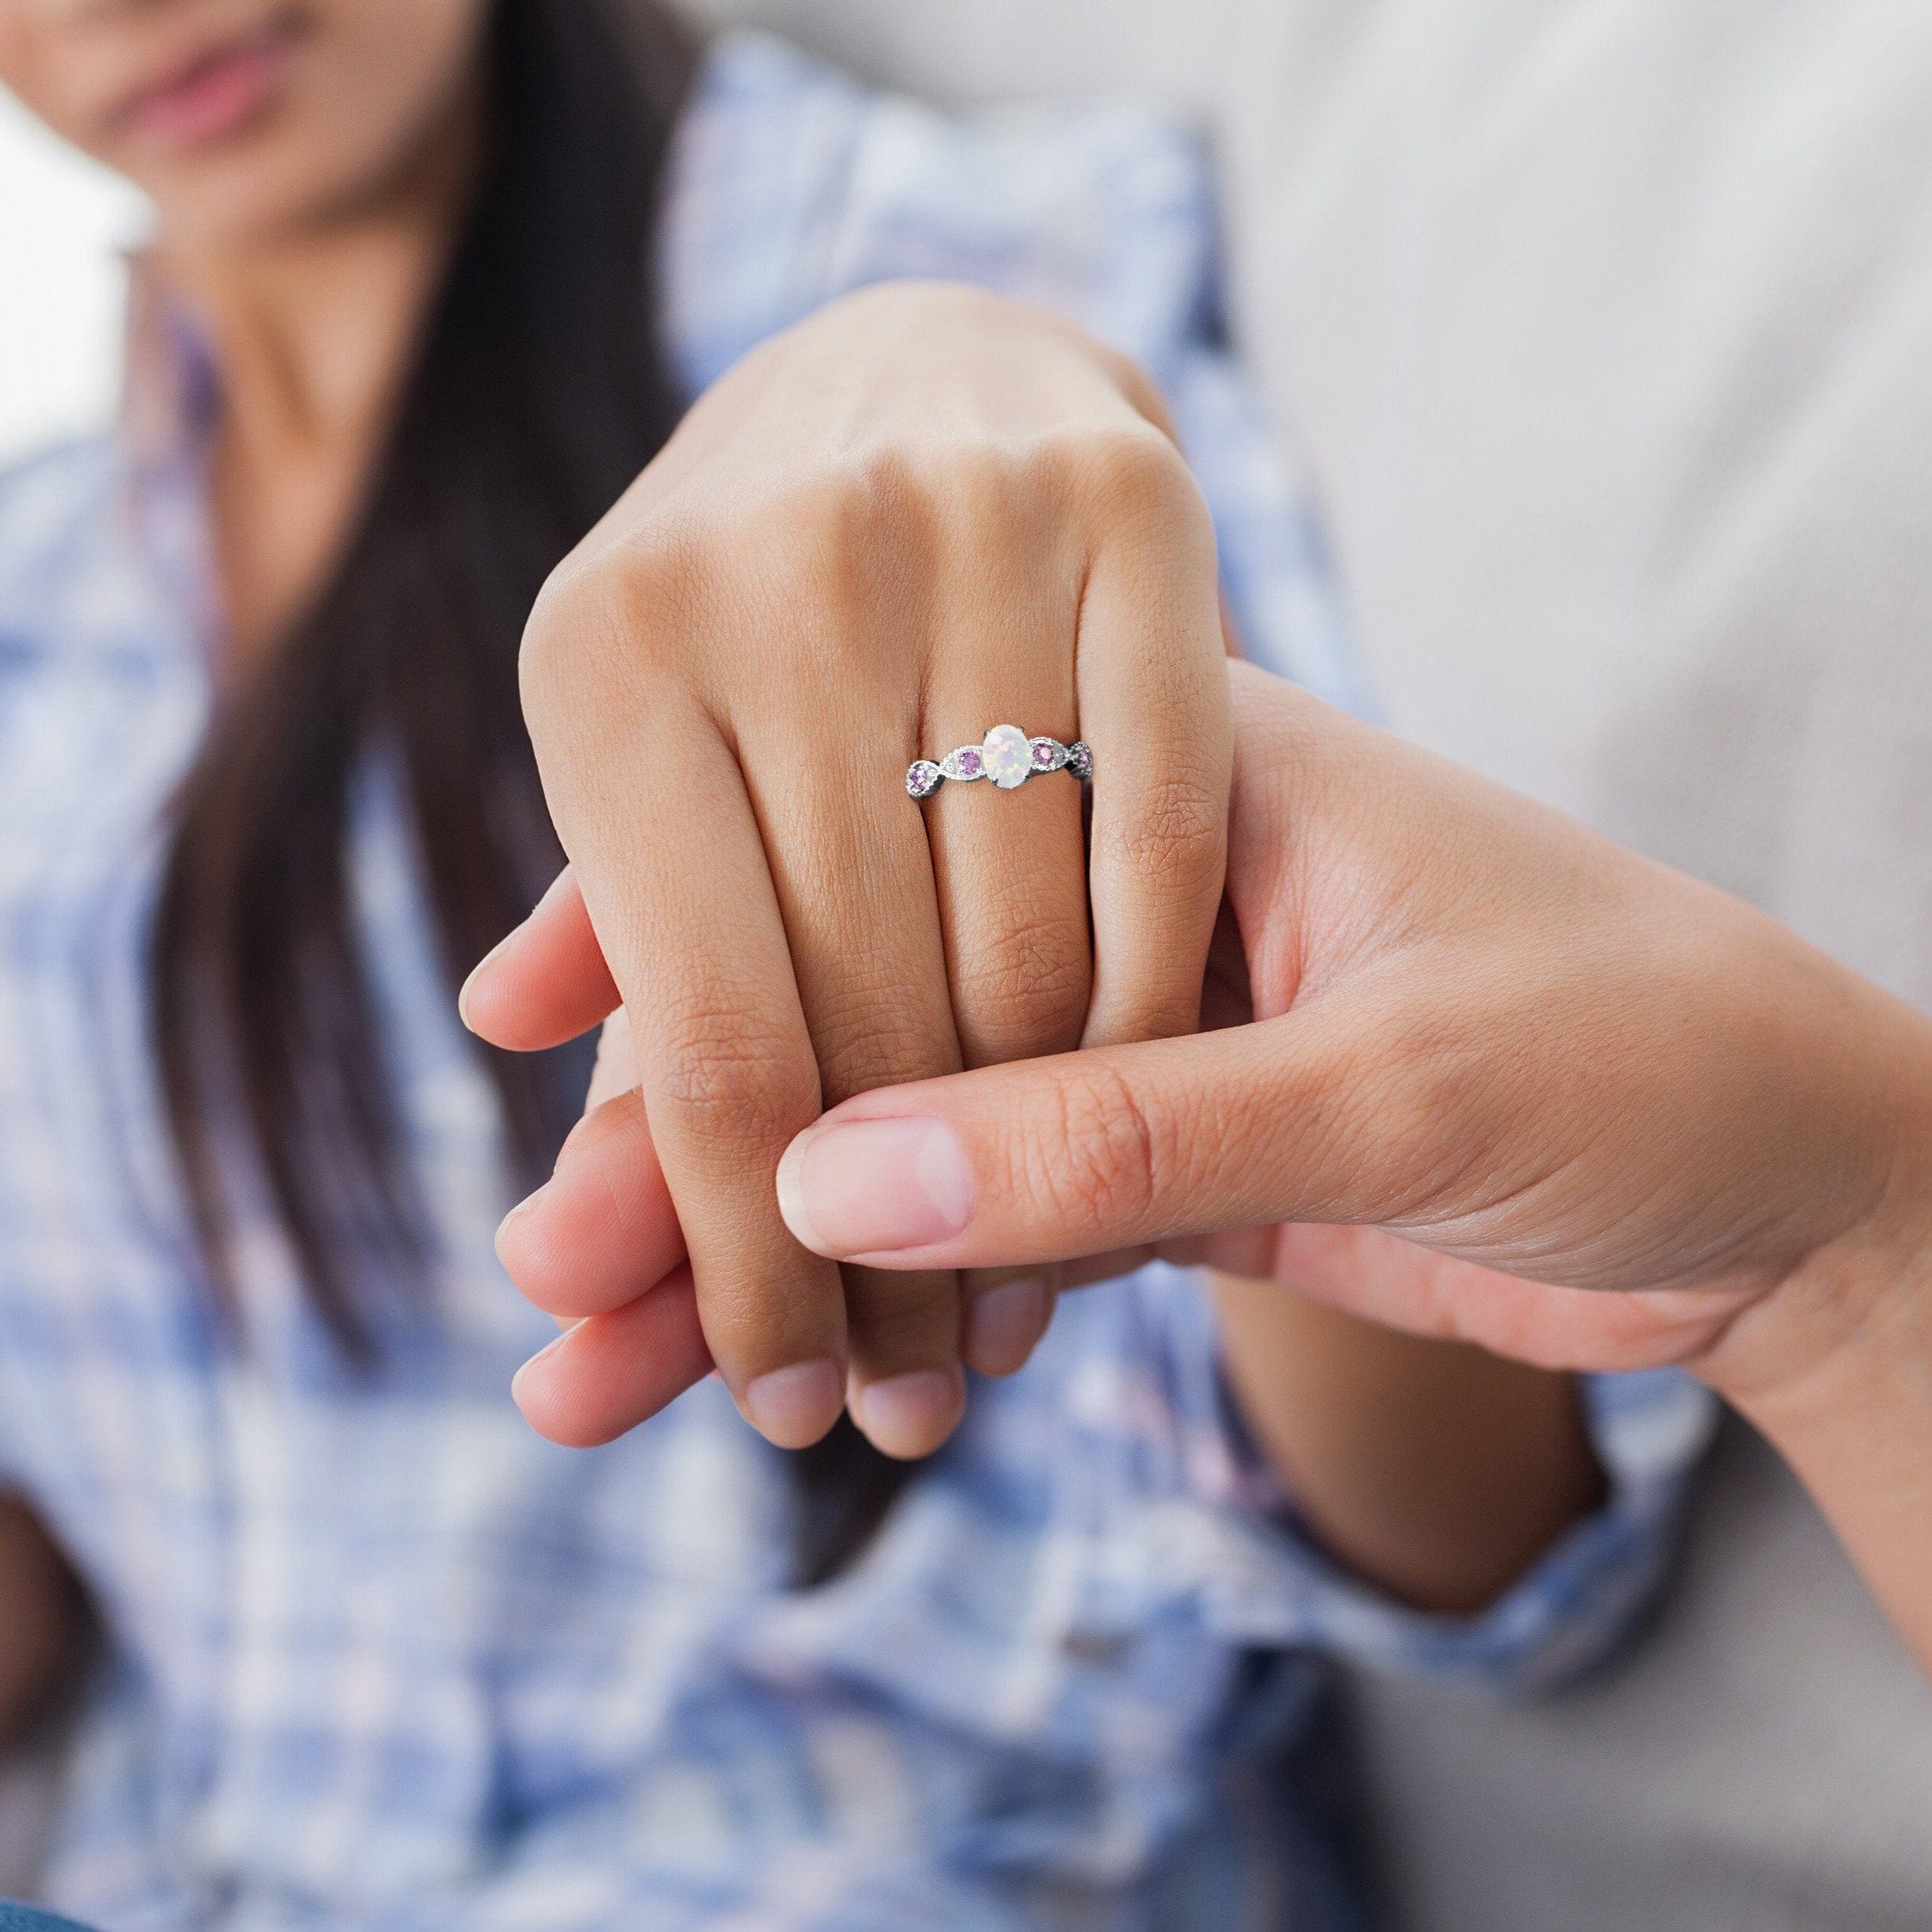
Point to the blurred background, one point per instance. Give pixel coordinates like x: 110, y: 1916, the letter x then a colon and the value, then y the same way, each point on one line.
x: 63, y: 223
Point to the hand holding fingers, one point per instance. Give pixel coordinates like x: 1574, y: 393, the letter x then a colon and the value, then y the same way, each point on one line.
x: 1480, y: 1028
x: 603, y: 1231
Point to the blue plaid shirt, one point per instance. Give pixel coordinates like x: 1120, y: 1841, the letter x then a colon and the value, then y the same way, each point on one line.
x: 382, y: 1659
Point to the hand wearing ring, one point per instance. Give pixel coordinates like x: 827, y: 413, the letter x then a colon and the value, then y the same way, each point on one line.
x: 1007, y: 756
x: 922, y: 510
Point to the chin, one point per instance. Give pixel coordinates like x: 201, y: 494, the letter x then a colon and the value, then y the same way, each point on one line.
x: 273, y: 188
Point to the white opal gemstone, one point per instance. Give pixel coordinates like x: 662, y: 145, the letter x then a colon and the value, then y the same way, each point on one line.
x: 1008, y: 755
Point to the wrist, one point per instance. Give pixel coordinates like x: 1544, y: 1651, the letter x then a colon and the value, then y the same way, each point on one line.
x: 1852, y: 1192
x: 1834, y: 1366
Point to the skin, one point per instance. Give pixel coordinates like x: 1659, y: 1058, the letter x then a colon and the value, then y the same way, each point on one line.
x: 920, y: 512
x: 1476, y: 1073
x: 1436, y: 1470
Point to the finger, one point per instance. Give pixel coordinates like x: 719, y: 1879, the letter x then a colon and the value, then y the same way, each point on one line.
x: 1007, y: 1312
x: 1154, y: 708
x: 544, y: 982
x: 609, y: 1374
x: 695, y: 939
x: 617, y: 1070
x: 1106, y: 1148
x: 1010, y: 861
x: 854, y: 880
x: 601, y: 1230
x: 1173, y: 1142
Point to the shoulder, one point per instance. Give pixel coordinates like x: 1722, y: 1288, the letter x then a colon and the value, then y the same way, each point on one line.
x: 792, y: 183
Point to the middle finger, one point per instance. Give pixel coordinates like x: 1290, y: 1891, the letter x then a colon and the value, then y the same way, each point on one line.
x: 853, y: 879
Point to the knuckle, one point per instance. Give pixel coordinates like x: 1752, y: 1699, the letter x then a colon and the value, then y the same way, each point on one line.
x: 1430, y: 1107
x: 992, y: 490
x: 1178, y: 832
x: 1024, y: 990
x: 866, y: 1044
x: 731, y: 1071
x: 843, y: 552
x: 608, y: 607
x: 830, y: 525
x: 1095, y: 1157
x: 1468, y: 1097
x: 1130, y: 474
x: 553, y: 643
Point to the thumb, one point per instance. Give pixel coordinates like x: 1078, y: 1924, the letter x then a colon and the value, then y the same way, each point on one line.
x: 1048, y: 1160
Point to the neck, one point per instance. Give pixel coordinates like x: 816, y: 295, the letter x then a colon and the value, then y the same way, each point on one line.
x: 310, y: 337
x: 313, y: 334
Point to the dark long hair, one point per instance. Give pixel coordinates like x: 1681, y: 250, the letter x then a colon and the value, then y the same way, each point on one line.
x: 536, y: 394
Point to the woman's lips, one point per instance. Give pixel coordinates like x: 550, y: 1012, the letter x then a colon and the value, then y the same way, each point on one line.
x: 214, y: 95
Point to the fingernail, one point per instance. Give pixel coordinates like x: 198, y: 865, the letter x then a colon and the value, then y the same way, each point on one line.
x: 517, y: 1380
x: 910, y: 1415
x: 873, y: 1187
x: 1003, y: 1325
x: 476, y: 973
x: 794, y: 1406
x: 515, y: 1214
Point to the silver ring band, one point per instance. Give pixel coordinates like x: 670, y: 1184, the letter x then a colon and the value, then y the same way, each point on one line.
x: 1007, y: 756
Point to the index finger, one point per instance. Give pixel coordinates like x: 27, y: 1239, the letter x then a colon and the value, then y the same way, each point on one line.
x: 694, y: 941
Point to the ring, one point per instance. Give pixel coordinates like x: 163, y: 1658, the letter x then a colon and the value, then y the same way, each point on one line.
x: 1007, y: 756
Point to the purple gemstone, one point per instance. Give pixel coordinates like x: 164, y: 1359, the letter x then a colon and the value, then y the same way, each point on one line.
x: 1043, y: 755
x: 969, y: 762
x: 1079, y: 760
x: 922, y: 780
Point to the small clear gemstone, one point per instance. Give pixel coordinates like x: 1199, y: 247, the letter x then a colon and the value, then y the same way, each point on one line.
x: 922, y: 780
x: 1009, y: 756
